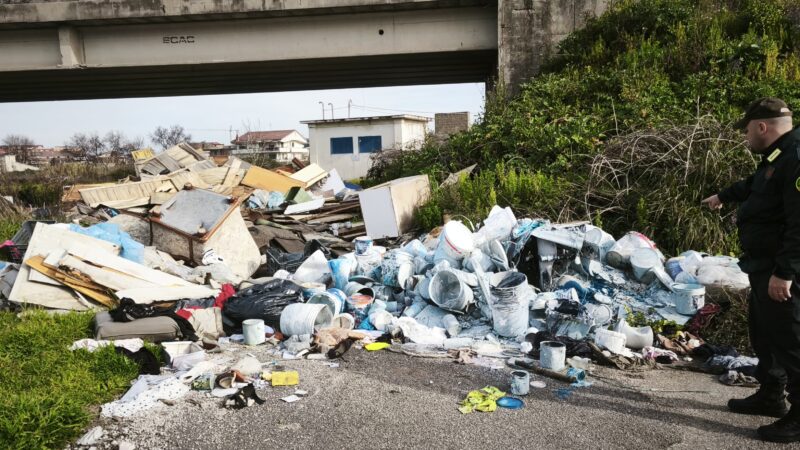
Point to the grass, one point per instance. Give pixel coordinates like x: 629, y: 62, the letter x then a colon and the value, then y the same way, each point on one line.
x: 48, y: 393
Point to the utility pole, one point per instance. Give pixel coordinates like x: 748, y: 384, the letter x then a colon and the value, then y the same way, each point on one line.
x: 331, y: 105
x: 323, y: 109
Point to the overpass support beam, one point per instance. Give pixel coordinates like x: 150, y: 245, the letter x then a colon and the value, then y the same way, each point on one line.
x: 529, y: 31
x: 70, y: 44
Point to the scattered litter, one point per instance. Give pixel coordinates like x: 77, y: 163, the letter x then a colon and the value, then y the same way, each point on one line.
x: 510, y: 403
x: 292, y: 398
x: 289, y: 378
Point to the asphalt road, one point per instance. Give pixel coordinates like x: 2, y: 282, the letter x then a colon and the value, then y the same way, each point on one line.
x: 388, y: 400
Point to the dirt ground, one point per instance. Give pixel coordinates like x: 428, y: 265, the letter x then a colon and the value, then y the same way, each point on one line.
x: 390, y: 400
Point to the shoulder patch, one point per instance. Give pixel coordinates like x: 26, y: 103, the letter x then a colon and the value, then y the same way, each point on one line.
x: 774, y: 155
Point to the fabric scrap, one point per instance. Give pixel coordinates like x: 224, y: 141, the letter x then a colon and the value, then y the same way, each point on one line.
x: 484, y: 400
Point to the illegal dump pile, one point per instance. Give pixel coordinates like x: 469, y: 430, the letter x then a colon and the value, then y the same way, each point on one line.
x: 213, y: 260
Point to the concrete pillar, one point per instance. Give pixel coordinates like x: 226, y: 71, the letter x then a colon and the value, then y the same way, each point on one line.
x: 528, y: 32
x: 70, y: 44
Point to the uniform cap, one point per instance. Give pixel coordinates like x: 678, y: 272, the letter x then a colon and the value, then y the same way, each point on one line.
x: 763, y: 108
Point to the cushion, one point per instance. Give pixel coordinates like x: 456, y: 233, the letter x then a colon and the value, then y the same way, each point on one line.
x: 153, y: 329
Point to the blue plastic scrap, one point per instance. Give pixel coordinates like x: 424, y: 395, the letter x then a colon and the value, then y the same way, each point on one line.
x: 110, y: 232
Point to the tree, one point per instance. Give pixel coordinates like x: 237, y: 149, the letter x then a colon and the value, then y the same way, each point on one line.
x: 120, y: 146
x: 167, y: 137
x: 86, y: 146
x: 20, y: 146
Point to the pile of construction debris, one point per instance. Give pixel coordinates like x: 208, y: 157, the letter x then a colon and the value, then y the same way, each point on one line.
x: 301, y: 263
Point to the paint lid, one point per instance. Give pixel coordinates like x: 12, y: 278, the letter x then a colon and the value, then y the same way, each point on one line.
x: 510, y: 403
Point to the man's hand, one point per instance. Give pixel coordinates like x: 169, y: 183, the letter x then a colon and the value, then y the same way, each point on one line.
x: 779, y: 289
x: 712, y: 202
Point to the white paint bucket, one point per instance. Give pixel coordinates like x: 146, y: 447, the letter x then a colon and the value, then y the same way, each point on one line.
x: 345, y: 320
x: 688, y: 298
x: 304, y: 318
x: 455, y: 243
x: 510, y: 305
x: 596, y: 244
x: 253, y: 330
x: 448, y: 292
x: 396, y: 267
x: 520, y: 382
x: 611, y: 340
x: 353, y: 288
x: 363, y: 245
x: 552, y: 355
x: 333, y: 302
x: 643, y: 260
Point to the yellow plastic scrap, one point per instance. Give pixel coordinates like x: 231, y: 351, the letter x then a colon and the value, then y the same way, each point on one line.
x: 376, y: 346
x: 289, y: 378
x: 484, y: 400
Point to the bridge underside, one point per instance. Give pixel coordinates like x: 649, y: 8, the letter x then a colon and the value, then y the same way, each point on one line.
x: 245, y: 77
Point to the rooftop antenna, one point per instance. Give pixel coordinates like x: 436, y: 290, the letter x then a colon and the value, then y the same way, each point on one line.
x: 323, y: 110
x: 331, y: 105
x: 349, y: 103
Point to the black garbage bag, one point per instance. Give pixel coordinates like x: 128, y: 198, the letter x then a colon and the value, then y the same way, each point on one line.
x: 262, y: 301
x: 277, y: 260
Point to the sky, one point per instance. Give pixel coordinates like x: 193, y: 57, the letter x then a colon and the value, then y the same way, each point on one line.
x: 219, y: 117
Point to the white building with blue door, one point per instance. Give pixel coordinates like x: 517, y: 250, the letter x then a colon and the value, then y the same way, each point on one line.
x: 347, y: 144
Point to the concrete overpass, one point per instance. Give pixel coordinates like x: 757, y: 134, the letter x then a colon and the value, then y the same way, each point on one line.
x: 56, y: 50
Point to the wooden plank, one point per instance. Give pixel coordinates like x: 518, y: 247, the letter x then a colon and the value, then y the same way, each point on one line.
x: 315, y: 220
x: 37, y: 263
x: 233, y: 170
x: 269, y: 181
x: 310, y: 175
x: 46, y: 238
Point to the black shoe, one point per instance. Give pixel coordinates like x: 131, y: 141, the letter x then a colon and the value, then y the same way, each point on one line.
x: 760, y: 404
x: 786, y: 429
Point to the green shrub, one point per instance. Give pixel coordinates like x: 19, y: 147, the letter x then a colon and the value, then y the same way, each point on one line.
x: 644, y: 68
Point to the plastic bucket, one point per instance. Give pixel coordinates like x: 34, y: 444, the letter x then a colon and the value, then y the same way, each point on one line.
x: 611, y: 340
x: 448, y: 292
x: 510, y: 305
x: 340, y: 270
x: 455, y: 243
x: 397, y: 267
x: 352, y: 288
x: 552, y: 355
x: 688, y: 298
x: 363, y: 245
x: 643, y: 260
x: 358, y: 305
x: 520, y: 382
x: 345, y: 320
x: 596, y: 244
x: 253, y: 330
x: 333, y: 302
x: 304, y: 318
x: 673, y: 267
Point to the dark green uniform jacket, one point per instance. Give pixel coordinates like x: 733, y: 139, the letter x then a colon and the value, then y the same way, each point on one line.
x: 769, y: 212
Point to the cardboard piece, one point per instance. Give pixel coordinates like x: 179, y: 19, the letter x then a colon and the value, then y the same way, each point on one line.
x: 269, y: 181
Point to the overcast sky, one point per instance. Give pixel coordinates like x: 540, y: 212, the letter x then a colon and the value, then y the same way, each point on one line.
x: 211, y: 117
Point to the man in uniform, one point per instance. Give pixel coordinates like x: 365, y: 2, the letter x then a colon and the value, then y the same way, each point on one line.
x: 768, y: 219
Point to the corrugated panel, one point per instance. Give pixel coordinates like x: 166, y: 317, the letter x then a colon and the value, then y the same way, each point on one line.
x: 117, y: 193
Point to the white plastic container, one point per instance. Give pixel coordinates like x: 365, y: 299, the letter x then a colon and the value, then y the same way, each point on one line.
x: 303, y: 318
x: 448, y: 292
x: 611, y: 340
x: 643, y: 261
x: 689, y: 298
x: 552, y: 355
x: 635, y: 338
x: 253, y: 330
x: 455, y: 243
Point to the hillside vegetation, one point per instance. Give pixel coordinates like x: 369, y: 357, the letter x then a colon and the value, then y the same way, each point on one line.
x: 628, y: 126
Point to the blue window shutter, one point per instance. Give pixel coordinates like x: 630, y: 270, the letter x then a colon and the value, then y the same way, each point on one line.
x: 341, y: 146
x: 369, y: 144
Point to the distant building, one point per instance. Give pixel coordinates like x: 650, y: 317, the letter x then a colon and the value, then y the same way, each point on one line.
x: 280, y: 145
x: 45, y: 156
x: 446, y: 124
x: 347, y: 144
x: 8, y: 163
